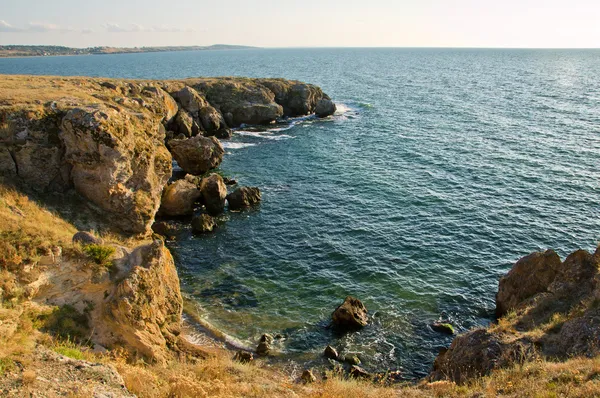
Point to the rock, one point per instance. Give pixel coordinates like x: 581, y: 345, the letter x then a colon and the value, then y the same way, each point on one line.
x: 211, y: 119
x: 352, y: 360
x: 350, y: 315
x: 109, y: 85
x: 441, y: 327
x: 243, y: 197
x: 530, y: 275
x: 165, y: 228
x: 214, y: 192
x: 113, y: 167
x: 308, y: 376
x: 185, y: 124
x: 330, y: 353
x: 325, y: 107
x: 264, y: 345
x: 190, y: 100
x: 197, y: 155
x: 8, y: 167
x: 160, y: 102
x: 359, y: 373
x: 202, y: 224
x: 178, y: 198
x: 86, y: 238
x: 229, y: 181
x: 223, y: 134
x: 243, y: 357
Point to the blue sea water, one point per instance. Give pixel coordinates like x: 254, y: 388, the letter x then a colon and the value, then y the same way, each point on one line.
x: 441, y: 168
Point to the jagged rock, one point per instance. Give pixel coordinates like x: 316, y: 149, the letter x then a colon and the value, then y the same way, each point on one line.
x: 165, y: 228
x: 185, y: 124
x: 296, y: 98
x: 197, y: 155
x: 442, y: 327
x: 229, y: 181
x: 211, y: 119
x: 325, y: 107
x: 350, y: 315
x: 190, y: 100
x: 113, y: 167
x: 264, y: 345
x: 202, y: 224
x: 243, y: 197
x: 214, y: 192
x: 330, y: 353
x: 8, y: 167
x: 178, y: 198
x: 530, y: 275
x: 86, y: 238
x: 160, y: 103
x: 308, y: 376
x: 359, y: 373
x: 352, y: 359
x: 243, y: 357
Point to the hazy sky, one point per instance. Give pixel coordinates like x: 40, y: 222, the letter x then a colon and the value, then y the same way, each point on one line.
x: 306, y: 23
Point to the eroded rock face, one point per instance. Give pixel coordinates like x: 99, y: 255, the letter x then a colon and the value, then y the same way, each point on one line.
x: 119, y: 163
x: 214, y: 192
x: 197, y: 155
x: 178, y: 198
x: 350, y: 315
x: 243, y: 197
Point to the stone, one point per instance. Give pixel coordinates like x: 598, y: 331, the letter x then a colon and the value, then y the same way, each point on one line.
x: 442, y: 327
x: 202, y: 224
x: 229, y: 181
x: 308, y: 376
x: 350, y: 315
x: 197, y: 155
x: 352, y: 359
x: 211, y: 119
x: 265, y: 345
x: 530, y: 275
x: 190, y: 100
x: 243, y: 197
x: 86, y: 238
x: 185, y: 124
x: 214, y: 192
x: 330, y: 353
x: 359, y: 373
x: 179, y: 198
x: 243, y: 357
x: 325, y: 107
x: 165, y: 228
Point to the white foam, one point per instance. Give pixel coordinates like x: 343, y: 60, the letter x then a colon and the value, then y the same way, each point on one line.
x: 236, y: 145
x: 341, y: 109
x: 268, y: 135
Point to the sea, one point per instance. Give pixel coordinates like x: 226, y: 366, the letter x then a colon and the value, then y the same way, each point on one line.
x: 440, y: 169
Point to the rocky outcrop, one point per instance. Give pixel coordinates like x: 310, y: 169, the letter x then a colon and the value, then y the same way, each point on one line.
x: 179, y: 198
x: 87, y: 238
x: 325, y: 107
x: 554, y: 313
x: 265, y: 345
x: 243, y: 197
x: 214, y: 192
x: 197, y: 155
x: 203, y: 224
x: 350, y: 315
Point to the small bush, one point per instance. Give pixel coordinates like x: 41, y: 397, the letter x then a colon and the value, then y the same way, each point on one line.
x: 100, y: 254
x: 64, y: 322
x: 70, y: 350
x: 6, y: 365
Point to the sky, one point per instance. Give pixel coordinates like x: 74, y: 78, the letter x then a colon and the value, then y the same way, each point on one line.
x: 306, y: 23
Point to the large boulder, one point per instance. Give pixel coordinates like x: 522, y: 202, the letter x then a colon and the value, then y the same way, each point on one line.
x: 119, y: 163
x: 296, y: 98
x: 159, y: 102
x: 178, y: 198
x: 190, y: 100
x: 197, y: 155
x: 530, y: 275
x: 350, y: 315
x: 325, y: 107
x: 203, y: 224
x: 243, y: 197
x: 185, y: 124
x: 214, y: 192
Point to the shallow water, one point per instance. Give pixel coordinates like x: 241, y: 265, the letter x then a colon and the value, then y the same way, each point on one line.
x: 440, y: 170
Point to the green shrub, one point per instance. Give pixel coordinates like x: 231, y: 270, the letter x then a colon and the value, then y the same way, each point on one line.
x: 6, y: 365
x: 100, y: 254
x: 64, y: 322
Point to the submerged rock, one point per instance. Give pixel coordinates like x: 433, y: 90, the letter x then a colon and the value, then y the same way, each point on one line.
x: 442, y: 327
x: 197, y: 155
x: 243, y: 197
x: 350, y: 315
x: 203, y: 224
x: 214, y: 192
x: 265, y: 345
x: 178, y: 198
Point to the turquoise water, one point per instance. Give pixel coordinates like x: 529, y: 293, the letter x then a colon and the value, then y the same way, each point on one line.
x: 440, y: 170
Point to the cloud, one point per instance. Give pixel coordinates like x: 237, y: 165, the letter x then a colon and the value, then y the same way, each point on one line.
x: 132, y: 28
x: 36, y: 27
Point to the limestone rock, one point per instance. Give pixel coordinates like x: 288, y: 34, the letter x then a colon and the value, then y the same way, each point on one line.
x: 8, y: 167
x: 160, y: 103
x: 325, y: 107
x: 190, y: 100
x: 264, y: 345
x: 308, y: 376
x: 243, y: 197
x: 197, y: 155
x: 350, y: 315
x: 178, y: 198
x: 530, y: 275
x: 165, y: 228
x: 202, y: 224
x: 86, y: 238
x: 214, y: 192
x: 330, y: 353
x: 119, y: 163
x: 359, y: 373
x: 185, y: 124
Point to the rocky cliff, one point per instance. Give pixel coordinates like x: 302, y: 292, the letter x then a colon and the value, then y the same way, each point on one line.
x: 111, y: 140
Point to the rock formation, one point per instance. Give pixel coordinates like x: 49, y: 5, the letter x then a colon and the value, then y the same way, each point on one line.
x: 178, y: 198
x: 214, y: 192
x: 350, y: 315
x: 197, y: 155
x: 243, y: 197
x: 202, y: 224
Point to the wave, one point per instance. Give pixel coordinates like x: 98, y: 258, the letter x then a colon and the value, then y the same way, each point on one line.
x: 236, y: 145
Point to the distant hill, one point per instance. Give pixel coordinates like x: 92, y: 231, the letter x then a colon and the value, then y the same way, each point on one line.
x: 40, y: 51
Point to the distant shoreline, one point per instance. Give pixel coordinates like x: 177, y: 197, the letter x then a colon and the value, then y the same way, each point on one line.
x: 18, y: 51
